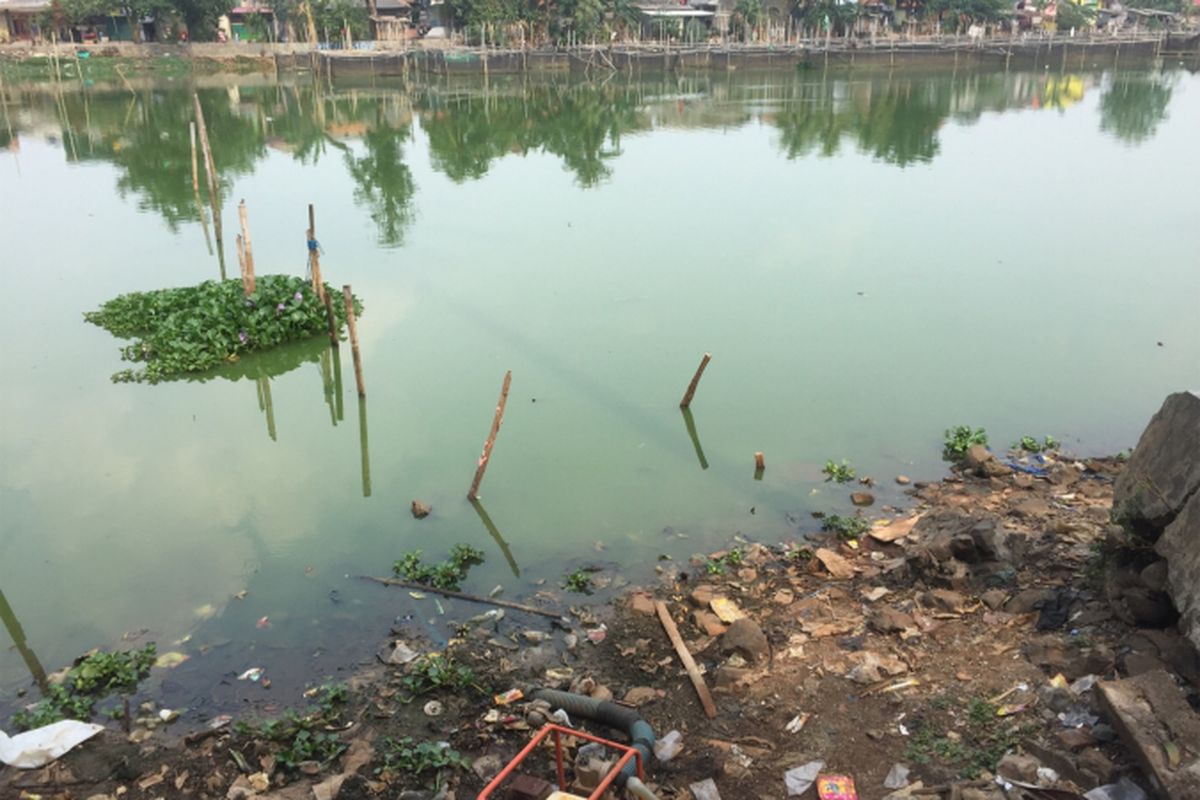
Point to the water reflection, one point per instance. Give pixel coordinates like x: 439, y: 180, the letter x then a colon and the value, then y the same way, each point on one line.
x: 1134, y: 104
x: 471, y: 126
x: 17, y: 634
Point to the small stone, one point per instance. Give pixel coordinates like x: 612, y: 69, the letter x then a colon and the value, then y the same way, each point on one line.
x: 1104, y: 733
x: 487, y: 767
x: 903, y: 480
x: 886, y: 619
x: 1017, y: 767
x: 601, y: 692
x: 709, y: 623
x: 640, y: 695
x: 1075, y: 738
x: 944, y: 600
x: 420, y: 510
x: 642, y: 603
x: 784, y: 597
x: 862, y: 499
x: 1095, y: 762
x: 702, y: 595
x: 993, y: 598
x: 746, y: 638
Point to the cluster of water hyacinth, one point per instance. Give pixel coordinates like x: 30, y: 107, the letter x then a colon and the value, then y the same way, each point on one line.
x: 196, y: 328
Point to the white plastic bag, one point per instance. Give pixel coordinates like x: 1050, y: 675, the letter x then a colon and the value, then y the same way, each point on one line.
x: 39, y: 747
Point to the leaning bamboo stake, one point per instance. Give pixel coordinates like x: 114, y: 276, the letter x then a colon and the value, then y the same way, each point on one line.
x: 491, y: 601
x: 210, y: 170
x: 691, y: 390
x: 664, y: 616
x: 248, y: 278
x: 348, y: 299
x: 473, y: 492
x: 759, y: 463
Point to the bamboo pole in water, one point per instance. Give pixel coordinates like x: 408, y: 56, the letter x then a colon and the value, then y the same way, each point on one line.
x: 494, y: 532
x: 248, y: 278
x: 336, y: 353
x: 17, y: 634
x: 241, y: 254
x: 473, y: 492
x: 759, y: 466
x: 690, y: 423
x: 691, y: 389
x: 210, y: 170
x: 196, y: 195
x: 352, y: 324
x: 314, y: 255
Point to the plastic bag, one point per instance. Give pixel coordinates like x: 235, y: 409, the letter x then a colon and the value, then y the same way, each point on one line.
x: 39, y: 747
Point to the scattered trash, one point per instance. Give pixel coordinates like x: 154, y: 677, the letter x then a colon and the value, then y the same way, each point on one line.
x: 169, y: 714
x: 739, y: 757
x: 263, y: 623
x: 799, y: 779
x: 253, y: 674
x: 1123, y: 789
x: 560, y: 716
x: 417, y: 595
x: 1077, y: 717
x: 219, y: 722
x: 496, y: 592
x: 796, y: 723
x: 170, y: 660
x: 402, y: 654
x: 1008, y: 710
x: 433, y: 709
x: 511, y: 696
x: 836, y: 787
x: 668, y: 746
x: 897, y: 777
x: 1084, y: 684
x: 1059, y: 681
x: 705, y: 790
x: 598, y: 635
x: 726, y: 610
x: 38, y: 747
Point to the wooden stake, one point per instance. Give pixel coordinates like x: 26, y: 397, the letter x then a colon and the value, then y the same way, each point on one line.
x: 248, y: 278
x: 664, y: 616
x: 491, y: 601
x: 473, y: 492
x: 241, y: 253
x: 759, y: 464
x: 314, y: 256
x: 691, y: 390
x: 210, y: 170
x: 351, y: 323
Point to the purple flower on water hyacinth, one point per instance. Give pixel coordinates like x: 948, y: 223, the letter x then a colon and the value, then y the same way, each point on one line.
x: 299, y: 297
x: 242, y: 337
x: 279, y: 308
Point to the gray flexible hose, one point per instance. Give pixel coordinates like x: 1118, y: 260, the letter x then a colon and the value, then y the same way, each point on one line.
x: 641, y: 735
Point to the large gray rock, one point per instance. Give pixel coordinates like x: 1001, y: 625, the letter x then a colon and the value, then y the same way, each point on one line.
x: 1164, y: 470
x: 1180, y: 546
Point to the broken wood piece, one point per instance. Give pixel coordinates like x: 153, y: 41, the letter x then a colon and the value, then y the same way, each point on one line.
x: 691, y: 390
x: 474, y: 598
x: 664, y: 616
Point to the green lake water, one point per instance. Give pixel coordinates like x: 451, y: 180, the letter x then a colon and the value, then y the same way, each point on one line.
x: 870, y: 258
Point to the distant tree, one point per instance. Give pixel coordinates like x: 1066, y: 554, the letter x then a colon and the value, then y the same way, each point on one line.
x: 201, y: 16
x: 1134, y: 104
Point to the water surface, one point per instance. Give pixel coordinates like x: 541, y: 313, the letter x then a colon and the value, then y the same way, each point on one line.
x: 870, y: 258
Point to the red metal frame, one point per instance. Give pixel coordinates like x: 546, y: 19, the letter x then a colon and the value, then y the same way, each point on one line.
x: 628, y: 752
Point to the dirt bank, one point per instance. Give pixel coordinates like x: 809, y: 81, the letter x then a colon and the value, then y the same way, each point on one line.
x: 950, y: 636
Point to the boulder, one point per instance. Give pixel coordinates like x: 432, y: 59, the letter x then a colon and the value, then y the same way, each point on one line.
x: 1164, y: 470
x: 1180, y: 546
x: 747, y: 639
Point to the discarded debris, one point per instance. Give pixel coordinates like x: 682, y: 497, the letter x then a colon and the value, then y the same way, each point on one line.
x: 40, y: 746
x: 799, y: 779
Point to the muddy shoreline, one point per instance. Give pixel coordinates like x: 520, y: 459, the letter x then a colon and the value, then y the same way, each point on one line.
x: 942, y: 639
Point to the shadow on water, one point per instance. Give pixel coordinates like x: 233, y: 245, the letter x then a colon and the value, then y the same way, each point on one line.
x: 689, y: 422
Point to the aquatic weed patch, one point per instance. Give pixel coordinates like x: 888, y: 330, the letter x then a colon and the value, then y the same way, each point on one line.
x: 192, y: 329
x: 445, y: 575
x: 94, y: 677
